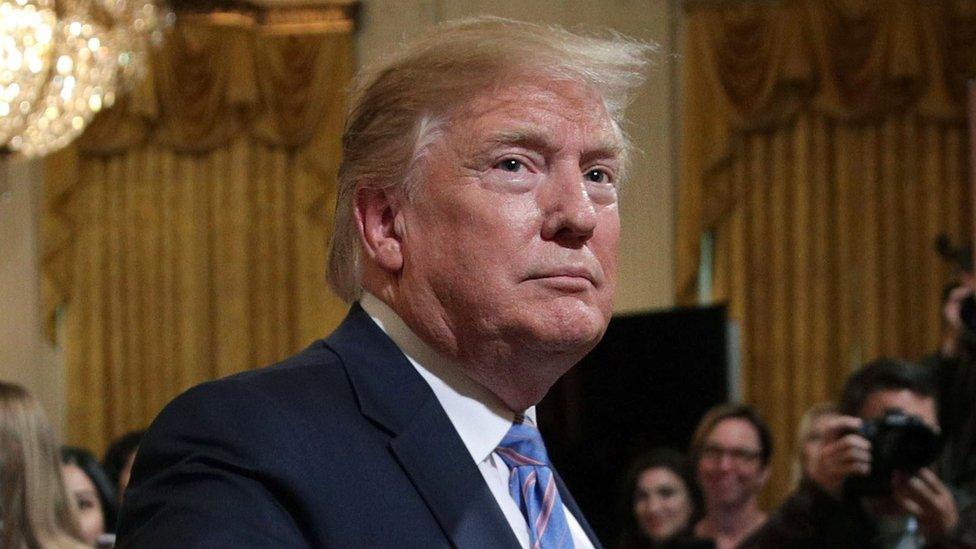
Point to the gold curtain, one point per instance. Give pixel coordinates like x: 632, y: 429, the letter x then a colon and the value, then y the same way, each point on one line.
x: 184, y: 235
x: 824, y: 149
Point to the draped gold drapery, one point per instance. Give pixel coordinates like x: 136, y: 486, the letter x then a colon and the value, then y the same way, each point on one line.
x: 184, y: 234
x: 823, y: 149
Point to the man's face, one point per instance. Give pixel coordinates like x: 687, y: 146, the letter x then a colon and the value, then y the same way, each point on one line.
x: 907, y: 401
x: 730, y: 469
x: 910, y: 403
x: 510, y: 238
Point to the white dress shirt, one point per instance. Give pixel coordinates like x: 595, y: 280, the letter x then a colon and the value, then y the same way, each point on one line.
x: 480, y: 418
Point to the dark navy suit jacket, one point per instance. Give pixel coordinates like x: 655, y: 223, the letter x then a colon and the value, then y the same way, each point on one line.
x: 342, y: 445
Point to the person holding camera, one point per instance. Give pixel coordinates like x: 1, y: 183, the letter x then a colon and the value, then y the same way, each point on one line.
x: 871, y: 485
x: 954, y: 367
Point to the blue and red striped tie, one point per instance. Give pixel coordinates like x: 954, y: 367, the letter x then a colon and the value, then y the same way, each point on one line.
x: 533, y: 487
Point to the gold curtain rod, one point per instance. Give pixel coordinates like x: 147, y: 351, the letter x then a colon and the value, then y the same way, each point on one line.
x: 304, y: 20
x: 316, y: 27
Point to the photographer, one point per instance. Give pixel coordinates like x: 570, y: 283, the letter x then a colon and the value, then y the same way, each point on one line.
x: 870, y: 486
x: 954, y: 366
x: 955, y: 372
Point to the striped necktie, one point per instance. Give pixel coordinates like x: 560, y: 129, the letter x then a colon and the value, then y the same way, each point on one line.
x: 533, y: 487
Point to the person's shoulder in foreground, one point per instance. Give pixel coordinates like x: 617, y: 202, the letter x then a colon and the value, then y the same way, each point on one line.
x: 285, y: 456
x: 477, y: 223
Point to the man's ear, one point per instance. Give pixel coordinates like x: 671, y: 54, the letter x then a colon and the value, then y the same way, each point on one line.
x: 380, y: 227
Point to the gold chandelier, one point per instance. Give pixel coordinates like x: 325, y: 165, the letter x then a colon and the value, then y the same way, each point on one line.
x: 62, y: 61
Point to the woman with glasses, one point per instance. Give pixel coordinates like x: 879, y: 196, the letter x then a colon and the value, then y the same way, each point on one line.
x: 730, y: 449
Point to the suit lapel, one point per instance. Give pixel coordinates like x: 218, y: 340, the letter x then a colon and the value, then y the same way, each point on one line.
x: 393, y: 395
x: 442, y: 470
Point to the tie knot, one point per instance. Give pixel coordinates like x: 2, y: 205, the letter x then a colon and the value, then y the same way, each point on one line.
x: 523, y: 446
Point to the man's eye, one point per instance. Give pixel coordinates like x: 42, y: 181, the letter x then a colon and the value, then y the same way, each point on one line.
x: 597, y: 176
x: 510, y: 165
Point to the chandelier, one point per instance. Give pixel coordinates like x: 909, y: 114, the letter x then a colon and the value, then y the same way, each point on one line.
x: 63, y: 61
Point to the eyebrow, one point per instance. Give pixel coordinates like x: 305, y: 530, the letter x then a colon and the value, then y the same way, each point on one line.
x: 541, y: 139
x: 529, y: 138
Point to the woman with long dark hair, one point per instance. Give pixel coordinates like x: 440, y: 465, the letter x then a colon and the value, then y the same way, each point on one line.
x: 93, y: 493
x: 661, y: 503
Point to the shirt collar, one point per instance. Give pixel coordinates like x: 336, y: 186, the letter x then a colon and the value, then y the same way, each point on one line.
x: 481, y: 419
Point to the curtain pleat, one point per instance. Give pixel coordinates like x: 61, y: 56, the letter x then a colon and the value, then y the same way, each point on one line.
x: 185, y: 232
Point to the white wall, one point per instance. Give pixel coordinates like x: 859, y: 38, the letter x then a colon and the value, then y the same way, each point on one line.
x: 25, y: 355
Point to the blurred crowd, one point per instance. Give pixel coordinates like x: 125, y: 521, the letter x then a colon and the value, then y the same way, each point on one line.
x: 890, y: 465
x: 55, y: 496
x: 867, y: 472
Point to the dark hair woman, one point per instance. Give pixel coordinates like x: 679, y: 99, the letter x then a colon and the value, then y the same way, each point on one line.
x: 661, y: 503
x: 93, y: 493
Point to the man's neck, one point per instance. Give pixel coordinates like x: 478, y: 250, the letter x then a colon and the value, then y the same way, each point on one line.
x: 732, y: 522
x: 509, y: 372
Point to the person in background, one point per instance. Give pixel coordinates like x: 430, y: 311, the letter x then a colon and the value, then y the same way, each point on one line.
x: 93, y: 492
x: 662, y: 503
x: 731, y: 449
x: 810, y: 437
x: 37, y: 510
x: 831, y: 509
x: 118, y: 460
x: 954, y: 367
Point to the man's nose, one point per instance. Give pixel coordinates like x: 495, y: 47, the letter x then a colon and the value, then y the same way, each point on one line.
x: 726, y: 461
x: 570, y: 214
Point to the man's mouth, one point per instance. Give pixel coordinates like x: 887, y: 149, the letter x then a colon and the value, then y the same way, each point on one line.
x: 566, y: 276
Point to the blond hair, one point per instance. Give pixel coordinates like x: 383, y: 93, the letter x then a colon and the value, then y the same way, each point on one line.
x: 803, y: 430
x: 398, y: 109
x: 37, y: 510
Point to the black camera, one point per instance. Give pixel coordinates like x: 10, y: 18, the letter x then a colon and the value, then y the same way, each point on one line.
x: 899, y: 442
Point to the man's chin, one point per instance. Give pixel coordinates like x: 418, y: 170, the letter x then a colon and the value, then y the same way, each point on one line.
x: 562, y: 335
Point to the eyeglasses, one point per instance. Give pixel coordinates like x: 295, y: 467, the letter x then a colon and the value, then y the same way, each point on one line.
x: 739, y: 456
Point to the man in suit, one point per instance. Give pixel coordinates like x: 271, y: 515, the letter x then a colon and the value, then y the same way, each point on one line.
x: 476, y: 236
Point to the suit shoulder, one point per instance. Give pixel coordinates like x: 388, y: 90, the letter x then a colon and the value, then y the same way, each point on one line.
x: 290, y: 388
x: 314, y: 362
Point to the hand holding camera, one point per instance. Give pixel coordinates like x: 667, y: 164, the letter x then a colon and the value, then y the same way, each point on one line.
x: 901, y: 444
x: 844, y: 453
x: 887, y: 457
x: 926, y: 498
